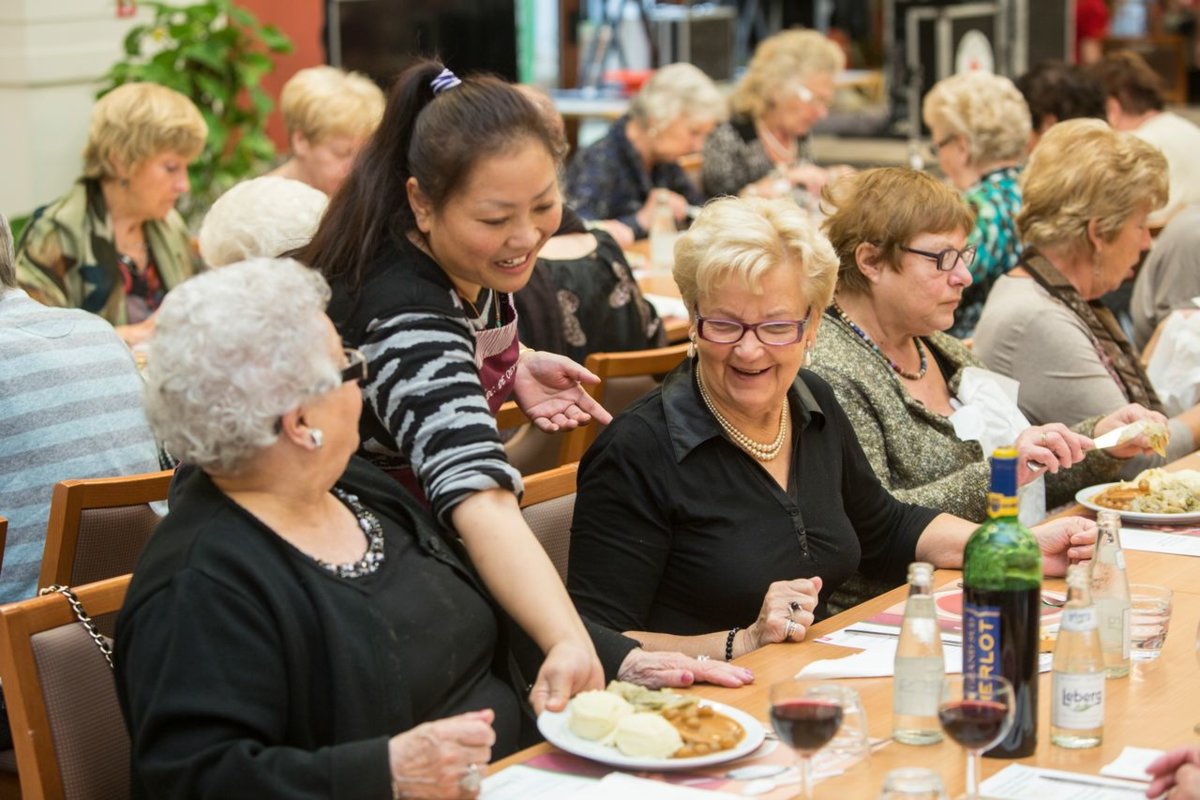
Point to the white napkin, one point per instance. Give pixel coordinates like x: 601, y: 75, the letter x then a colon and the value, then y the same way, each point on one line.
x: 618, y: 784
x: 1131, y: 764
x: 877, y: 661
x: 987, y: 413
x: 667, y: 306
x: 1174, y: 368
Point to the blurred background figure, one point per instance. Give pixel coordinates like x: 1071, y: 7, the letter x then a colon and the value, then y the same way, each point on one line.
x: 1134, y: 102
x: 613, y: 178
x: 1057, y: 91
x: 71, y: 408
x: 763, y: 148
x: 979, y: 125
x: 329, y: 115
x: 1170, y: 276
x: 260, y: 218
x: 1091, y: 26
x: 114, y: 243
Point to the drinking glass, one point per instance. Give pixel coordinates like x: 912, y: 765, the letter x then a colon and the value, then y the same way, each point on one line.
x: 1150, y: 618
x: 806, y: 715
x: 912, y: 783
x: 977, y: 712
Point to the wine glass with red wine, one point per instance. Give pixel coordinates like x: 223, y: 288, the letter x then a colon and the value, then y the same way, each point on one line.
x: 806, y: 715
x: 977, y: 712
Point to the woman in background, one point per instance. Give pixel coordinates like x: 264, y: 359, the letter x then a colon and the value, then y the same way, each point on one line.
x: 114, y: 244
x: 787, y: 88
x: 636, y: 164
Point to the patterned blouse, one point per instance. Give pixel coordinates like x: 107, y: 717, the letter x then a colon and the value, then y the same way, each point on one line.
x: 606, y: 180
x: 915, y: 451
x: 734, y: 157
x: 996, y: 200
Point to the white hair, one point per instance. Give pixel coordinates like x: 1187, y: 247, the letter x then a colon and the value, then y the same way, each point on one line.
x: 678, y: 91
x: 260, y: 218
x: 233, y: 350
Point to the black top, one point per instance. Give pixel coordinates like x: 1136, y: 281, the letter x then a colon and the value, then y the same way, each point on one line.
x: 245, y: 669
x: 677, y: 530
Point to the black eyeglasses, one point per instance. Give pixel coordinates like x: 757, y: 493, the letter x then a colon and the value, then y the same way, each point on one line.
x: 356, y: 366
x: 774, y: 332
x: 934, y: 147
x: 947, y: 259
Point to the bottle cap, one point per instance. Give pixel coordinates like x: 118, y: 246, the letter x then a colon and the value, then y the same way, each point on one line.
x: 920, y: 571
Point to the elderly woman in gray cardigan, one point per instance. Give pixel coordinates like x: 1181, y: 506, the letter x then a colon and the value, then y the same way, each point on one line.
x: 901, y: 239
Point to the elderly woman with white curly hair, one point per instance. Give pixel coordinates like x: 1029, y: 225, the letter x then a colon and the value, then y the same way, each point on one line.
x: 298, y: 626
x: 621, y: 177
x: 260, y: 218
x: 719, y: 512
x: 980, y: 127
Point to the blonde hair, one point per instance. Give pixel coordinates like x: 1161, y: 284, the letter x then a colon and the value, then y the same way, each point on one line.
x: 987, y: 110
x: 1083, y: 170
x: 320, y: 102
x: 260, y: 218
x: 887, y: 207
x: 781, y: 63
x: 746, y: 238
x: 136, y: 122
x: 675, y: 91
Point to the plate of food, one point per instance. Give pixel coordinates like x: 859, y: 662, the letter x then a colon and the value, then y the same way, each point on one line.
x: 632, y: 727
x: 1155, y: 496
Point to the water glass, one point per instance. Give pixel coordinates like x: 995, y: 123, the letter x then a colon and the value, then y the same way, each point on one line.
x: 851, y: 744
x: 1150, y: 617
x: 912, y: 783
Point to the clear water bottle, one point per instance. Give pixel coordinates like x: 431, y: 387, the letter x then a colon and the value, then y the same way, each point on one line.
x: 1077, y: 683
x: 919, y: 667
x: 663, y: 233
x: 1110, y: 593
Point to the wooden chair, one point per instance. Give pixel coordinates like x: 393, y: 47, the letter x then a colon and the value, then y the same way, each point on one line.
x: 98, y: 527
x: 548, y: 506
x: 68, y: 733
x: 615, y: 392
x: 3, y: 539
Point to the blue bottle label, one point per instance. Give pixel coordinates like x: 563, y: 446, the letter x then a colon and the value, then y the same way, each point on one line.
x: 981, y: 646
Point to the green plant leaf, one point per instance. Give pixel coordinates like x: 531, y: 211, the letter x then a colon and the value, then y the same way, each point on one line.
x: 204, y: 53
x: 133, y: 40
x: 253, y: 67
x: 275, y: 40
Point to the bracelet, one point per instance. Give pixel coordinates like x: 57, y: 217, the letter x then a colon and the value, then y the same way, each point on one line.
x: 729, y: 642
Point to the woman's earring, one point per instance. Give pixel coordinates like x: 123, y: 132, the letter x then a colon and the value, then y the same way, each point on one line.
x: 808, y: 355
x: 691, y: 351
x: 317, y: 437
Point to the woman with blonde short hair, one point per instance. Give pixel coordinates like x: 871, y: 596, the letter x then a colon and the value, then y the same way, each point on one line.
x: 980, y: 126
x: 719, y: 512
x: 260, y: 218
x: 1088, y: 192
x: 787, y: 88
x: 621, y: 176
x: 329, y: 114
x: 114, y: 244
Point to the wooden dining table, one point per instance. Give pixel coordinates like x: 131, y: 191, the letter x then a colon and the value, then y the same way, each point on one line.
x: 1156, y: 706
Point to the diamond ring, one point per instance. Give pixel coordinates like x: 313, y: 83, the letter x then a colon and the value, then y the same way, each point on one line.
x: 471, y: 780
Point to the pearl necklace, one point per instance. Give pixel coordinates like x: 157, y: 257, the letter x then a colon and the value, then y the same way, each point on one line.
x: 789, y: 154
x: 763, y: 452
x: 912, y: 376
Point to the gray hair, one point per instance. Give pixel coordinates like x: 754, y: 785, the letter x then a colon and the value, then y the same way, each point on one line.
x: 261, y: 218
x: 233, y: 350
x: 8, y: 260
x: 675, y: 91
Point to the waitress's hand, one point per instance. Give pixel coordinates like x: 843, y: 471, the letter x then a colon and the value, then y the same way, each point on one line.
x: 547, y: 388
x: 432, y: 759
x: 568, y: 670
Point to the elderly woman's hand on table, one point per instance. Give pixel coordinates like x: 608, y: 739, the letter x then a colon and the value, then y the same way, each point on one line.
x: 1139, y: 445
x: 1064, y: 541
x: 443, y: 758
x: 786, y: 613
x: 548, y: 389
x: 656, y: 669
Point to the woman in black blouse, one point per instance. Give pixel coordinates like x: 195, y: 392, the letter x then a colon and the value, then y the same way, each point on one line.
x: 299, y: 626
x: 716, y: 514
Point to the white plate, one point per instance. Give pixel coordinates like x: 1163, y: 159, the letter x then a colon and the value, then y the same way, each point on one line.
x: 553, y: 726
x: 1084, y: 498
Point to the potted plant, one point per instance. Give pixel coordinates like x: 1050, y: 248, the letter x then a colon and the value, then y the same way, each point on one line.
x: 216, y: 53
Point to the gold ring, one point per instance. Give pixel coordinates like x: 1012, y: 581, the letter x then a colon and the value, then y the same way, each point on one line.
x: 789, y: 629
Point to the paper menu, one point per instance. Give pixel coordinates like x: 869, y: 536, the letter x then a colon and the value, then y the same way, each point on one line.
x: 949, y: 603
x: 1019, y: 782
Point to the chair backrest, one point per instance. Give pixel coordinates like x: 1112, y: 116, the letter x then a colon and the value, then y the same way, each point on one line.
x: 548, y: 506
x: 98, y: 527
x: 68, y: 732
x: 612, y: 368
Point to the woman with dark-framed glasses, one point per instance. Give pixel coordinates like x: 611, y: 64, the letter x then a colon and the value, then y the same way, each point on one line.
x: 923, y: 409
x: 719, y: 512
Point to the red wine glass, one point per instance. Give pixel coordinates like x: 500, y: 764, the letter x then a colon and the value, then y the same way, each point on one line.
x: 806, y: 715
x: 977, y: 712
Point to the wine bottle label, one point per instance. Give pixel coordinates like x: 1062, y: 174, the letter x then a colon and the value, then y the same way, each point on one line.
x: 981, y: 641
x: 1079, y: 619
x: 1077, y: 700
x: 918, y: 686
x: 1001, y: 505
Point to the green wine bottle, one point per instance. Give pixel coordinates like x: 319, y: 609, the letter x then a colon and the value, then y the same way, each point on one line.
x: 1002, y: 579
